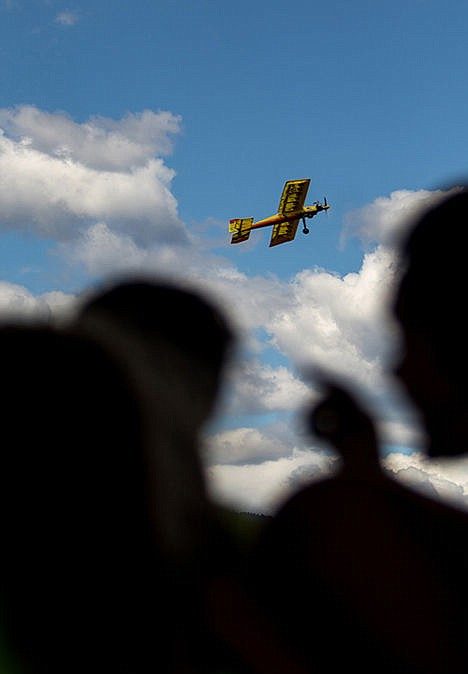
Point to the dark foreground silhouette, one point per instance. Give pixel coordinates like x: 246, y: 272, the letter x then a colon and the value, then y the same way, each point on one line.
x: 357, y: 571
x: 113, y: 558
x: 108, y: 537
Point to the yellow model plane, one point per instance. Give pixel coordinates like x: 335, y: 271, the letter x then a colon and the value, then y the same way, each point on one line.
x: 291, y: 210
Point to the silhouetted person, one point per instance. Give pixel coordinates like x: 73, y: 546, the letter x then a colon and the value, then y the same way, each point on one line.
x: 108, y: 537
x: 172, y: 344
x: 358, y: 571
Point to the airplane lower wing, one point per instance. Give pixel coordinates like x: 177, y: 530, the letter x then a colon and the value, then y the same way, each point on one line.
x: 283, y: 232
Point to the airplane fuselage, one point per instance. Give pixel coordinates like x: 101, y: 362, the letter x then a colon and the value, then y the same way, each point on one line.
x: 306, y: 212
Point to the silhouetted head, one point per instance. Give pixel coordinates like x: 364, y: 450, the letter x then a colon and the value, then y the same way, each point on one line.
x: 430, y: 309
x: 184, y: 318
x: 163, y: 315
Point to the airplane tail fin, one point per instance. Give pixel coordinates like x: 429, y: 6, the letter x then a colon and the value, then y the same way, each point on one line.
x: 240, y: 229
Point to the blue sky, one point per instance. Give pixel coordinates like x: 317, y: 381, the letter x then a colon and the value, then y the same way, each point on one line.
x: 133, y: 132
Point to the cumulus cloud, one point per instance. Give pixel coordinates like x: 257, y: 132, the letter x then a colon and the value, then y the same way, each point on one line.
x: 59, y: 177
x: 444, y: 479
x: 17, y: 303
x: 263, y: 487
x: 103, y: 251
x: 245, y: 445
x: 262, y: 388
x: 100, y: 142
x: 387, y: 217
x: 340, y: 324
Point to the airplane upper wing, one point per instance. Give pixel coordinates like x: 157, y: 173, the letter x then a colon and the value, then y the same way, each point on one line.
x: 284, y: 231
x: 294, y: 194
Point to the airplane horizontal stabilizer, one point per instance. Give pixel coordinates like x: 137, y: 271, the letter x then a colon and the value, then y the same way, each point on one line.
x: 240, y: 229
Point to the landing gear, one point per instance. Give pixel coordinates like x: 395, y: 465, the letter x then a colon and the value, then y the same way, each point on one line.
x: 305, y: 230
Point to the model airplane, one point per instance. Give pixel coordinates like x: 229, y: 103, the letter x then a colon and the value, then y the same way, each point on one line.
x: 291, y: 210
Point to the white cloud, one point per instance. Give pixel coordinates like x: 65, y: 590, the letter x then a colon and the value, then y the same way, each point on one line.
x: 339, y: 324
x: 263, y: 487
x: 61, y: 305
x: 103, y: 251
x: 101, y: 143
x: 244, y: 445
x: 18, y: 303
x: 261, y: 388
x: 444, y: 479
x: 59, y: 177
x: 386, y: 218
